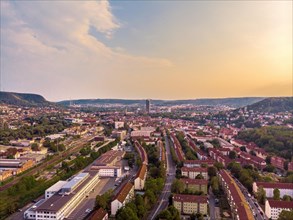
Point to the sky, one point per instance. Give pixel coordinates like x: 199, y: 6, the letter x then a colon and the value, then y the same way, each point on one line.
x: 147, y: 49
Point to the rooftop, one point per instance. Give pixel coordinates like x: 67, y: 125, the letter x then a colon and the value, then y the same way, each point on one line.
x: 280, y: 204
x: 275, y: 185
x: 122, y: 194
x: 189, y: 198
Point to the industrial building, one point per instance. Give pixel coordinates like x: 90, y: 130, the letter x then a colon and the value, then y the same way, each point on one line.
x: 67, y: 197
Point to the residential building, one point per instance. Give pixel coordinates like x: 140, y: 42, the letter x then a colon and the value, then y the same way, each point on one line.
x: 285, y: 188
x: 198, y: 163
x: 119, y: 124
x: 195, y: 184
x: 100, y: 214
x: 278, y: 162
x: 190, y: 204
x: 140, y: 178
x: 192, y: 173
x: 239, y: 207
x: 125, y: 195
x: 273, y: 208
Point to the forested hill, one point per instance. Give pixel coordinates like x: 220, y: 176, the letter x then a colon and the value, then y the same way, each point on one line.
x: 23, y: 99
x: 273, y: 105
x: 232, y: 102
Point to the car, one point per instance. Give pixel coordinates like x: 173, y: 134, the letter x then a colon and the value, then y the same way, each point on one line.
x: 88, y: 210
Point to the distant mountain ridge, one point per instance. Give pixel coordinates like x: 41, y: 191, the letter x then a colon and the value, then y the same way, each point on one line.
x: 273, y: 105
x: 23, y: 99
x: 232, y: 102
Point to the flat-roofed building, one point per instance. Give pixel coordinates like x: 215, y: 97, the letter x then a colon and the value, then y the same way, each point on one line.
x: 273, y: 208
x: 285, y: 188
x: 119, y: 124
x: 193, y: 172
x: 107, y: 164
x: 54, y: 189
x: 108, y: 171
x: 64, y: 202
x: 141, y: 133
x: 125, y: 195
x: 190, y: 204
x: 195, y: 184
x: 16, y: 165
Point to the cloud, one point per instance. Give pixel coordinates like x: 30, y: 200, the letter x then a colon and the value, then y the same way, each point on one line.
x: 47, y: 48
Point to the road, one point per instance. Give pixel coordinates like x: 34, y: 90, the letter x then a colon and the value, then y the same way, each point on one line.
x: 78, y: 145
x: 163, y: 200
x: 214, y: 210
x: 80, y: 212
x: 252, y: 202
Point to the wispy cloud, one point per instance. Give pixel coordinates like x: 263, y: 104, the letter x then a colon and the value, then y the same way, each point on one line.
x: 49, y: 41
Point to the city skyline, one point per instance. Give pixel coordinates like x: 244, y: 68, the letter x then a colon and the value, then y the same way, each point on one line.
x: 141, y: 50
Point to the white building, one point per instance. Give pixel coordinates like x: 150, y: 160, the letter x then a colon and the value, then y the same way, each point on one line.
x: 193, y: 172
x: 273, y: 208
x: 64, y: 202
x: 54, y: 189
x: 140, y: 178
x: 125, y: 195
x: 119, y: 124
x: 285, y: 188
x: 108, y: 171
x: 141, y: 133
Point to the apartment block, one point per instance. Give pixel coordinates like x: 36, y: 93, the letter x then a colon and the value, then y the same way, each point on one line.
x: 190, y: 204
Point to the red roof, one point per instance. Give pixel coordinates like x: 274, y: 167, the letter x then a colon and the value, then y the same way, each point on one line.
x: 275, y: 185
x: 280, y: 204
x: 189, y: 198
x: 194, y: 169
x: 194, y: 181
x: 199, y: 162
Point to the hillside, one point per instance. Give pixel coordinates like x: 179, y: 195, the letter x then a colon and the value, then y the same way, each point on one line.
x: 22, y: 99
x: 273, y: 105
x: 232, y: 102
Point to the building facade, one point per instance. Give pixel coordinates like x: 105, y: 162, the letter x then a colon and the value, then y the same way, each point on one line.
x: 273, y: 208
x: 190, y: 204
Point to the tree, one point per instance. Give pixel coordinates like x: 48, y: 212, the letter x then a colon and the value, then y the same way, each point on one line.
x: 35, y: 147
x: 252, y: 153
x: 216, y: 143
x: 268, y: 159
x: 100, y: 202
x: 287, y: 198
x: 286, y: 215
x: 199, y: 176
x: 165, y: 214
x: 126, y: 213
x: 243, y: 148
x: 174, y: 212
x: 219, y: 165
x: 269, y: 168
x: 141, y: 210
x: 276, y: 194
x: 212, y: 171
x: 235, y: 169
x: 261, y: 195
x: 215, y: 185
x: 232, y: 155
x: 177, y: 186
